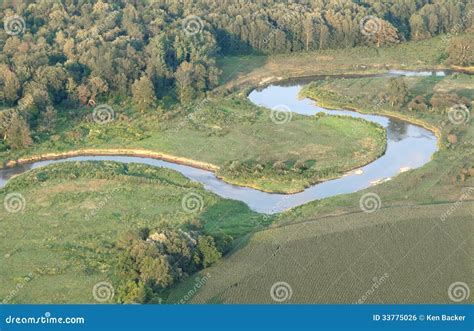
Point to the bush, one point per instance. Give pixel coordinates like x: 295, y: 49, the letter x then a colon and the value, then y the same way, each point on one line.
x: 418, y: 104
x: 279, y: 166
x: 443, y: 102
x: 300, y: 166
x: 150, y: 262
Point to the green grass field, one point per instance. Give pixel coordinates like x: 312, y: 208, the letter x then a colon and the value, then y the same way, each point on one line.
x: 328, y: 251
x: 222, y: 131
x: 75, y: 212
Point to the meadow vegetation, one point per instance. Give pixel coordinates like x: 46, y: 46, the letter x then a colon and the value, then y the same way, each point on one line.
x: 329, y: 251
x: 417, y: 242
x: 175, y: 83
x: 82, y: 218
x: 239, y: 138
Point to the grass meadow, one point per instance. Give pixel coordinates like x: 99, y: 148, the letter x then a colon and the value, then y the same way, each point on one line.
x: 409, y: 250
x: 63, y: 241
x: 222, y: 131
x: 412, y: 247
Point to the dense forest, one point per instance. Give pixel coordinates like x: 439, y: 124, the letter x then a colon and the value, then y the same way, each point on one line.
x: 64, y: 54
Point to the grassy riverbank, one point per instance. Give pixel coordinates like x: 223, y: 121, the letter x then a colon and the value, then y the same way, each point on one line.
x: 366, y: 95
x: 63, y: 240
x: 413, y: 246
x: 328, y: 251
x: 232, y: 137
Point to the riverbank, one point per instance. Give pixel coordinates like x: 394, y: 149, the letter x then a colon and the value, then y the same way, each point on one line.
x: 265, y: 182
x: 328, y: 104
x: 366, y: 95
x: 416, y: 226
x: 70, y: 217
x: 58, y: 198
x: 207, y: 140
x: 242, y: 71
x: 113, y: 152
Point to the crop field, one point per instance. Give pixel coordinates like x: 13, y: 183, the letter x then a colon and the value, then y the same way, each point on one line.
x: 407, y: 252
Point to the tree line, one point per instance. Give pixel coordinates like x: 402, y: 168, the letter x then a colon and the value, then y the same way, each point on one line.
x: 69, y: 53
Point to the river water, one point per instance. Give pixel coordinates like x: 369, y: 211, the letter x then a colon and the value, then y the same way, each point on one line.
x: 408, y: 147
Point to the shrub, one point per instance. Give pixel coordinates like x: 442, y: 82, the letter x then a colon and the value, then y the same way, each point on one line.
x: 418, y: 104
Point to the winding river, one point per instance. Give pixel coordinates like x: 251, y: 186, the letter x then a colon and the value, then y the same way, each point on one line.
x: 408, y: 147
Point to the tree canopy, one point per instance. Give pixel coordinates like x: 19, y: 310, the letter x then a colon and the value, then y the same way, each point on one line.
x: 64, y: 54
x: 152, y: 261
